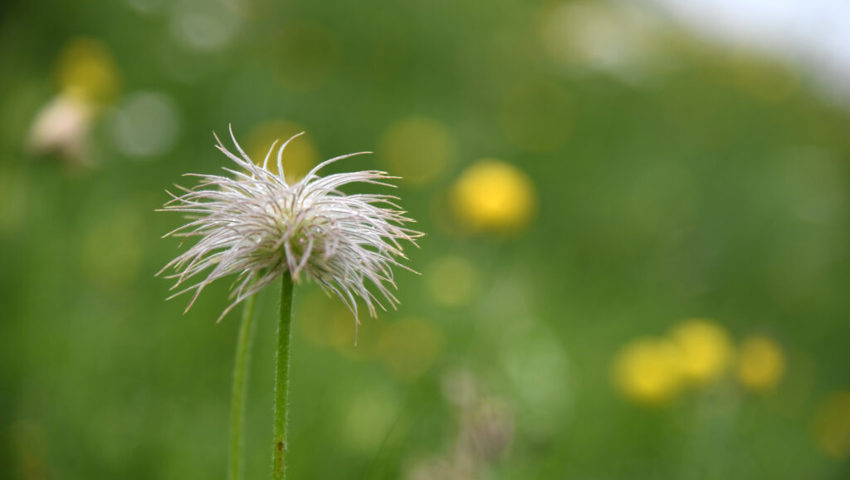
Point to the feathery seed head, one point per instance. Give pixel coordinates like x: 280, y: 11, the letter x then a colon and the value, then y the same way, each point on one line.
x: 255, y: 225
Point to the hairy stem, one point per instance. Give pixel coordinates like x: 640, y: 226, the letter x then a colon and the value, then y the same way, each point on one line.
x: 281, y: 383
x: 240, y: 388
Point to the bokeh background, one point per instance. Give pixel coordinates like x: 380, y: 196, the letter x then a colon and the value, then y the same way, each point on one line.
x: 637, y: 260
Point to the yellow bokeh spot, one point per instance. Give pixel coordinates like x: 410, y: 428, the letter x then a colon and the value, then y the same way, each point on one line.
x: 452, y: 280
x: 704, y: 348
x: 298, y: 157
x: 324, y: 321
x: 647, y: 371
x: 85, y: 69
x: 417, y: 149
x: 493, y: 195
x: 832, y: 425
x: 409, y: 347
x: 761, y: 364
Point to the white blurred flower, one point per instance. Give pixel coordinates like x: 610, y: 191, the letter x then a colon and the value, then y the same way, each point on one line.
x: 487, y: 430
x: 257, y: 226
x: 484, y: 437
x: 63, y: 126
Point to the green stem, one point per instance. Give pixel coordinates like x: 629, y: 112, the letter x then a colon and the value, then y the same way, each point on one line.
x: 281, y: 381
x: 240, y: 377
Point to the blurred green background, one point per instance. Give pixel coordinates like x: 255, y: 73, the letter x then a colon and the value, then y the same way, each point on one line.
x: 636, y: 263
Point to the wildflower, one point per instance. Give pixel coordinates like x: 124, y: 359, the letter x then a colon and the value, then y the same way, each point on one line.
x: 492, y: 195
x: 258, y: 226
x: 86, y: 69
x: 63, y: 126
x: 647, y: 371
x: 486, y: 426
x: 705, y: 350
x: 88, y: 81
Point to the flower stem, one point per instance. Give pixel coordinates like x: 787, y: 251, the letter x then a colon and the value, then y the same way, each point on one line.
x: 281, y: 384
x: 237, y: 402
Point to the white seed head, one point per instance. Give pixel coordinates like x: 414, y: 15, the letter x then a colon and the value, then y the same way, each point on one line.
x: 255, y: 225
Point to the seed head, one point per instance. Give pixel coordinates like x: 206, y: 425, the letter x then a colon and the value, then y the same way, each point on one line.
x: 255, y: 225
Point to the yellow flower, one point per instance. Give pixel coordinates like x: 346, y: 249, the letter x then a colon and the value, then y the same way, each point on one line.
x: 760, y: 363
x: 493, y: 195
x: 704, y: 348
x: 86, y: 70
x: 647, y: 371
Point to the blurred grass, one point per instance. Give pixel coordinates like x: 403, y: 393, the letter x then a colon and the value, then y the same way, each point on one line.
x: 708, y: 184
